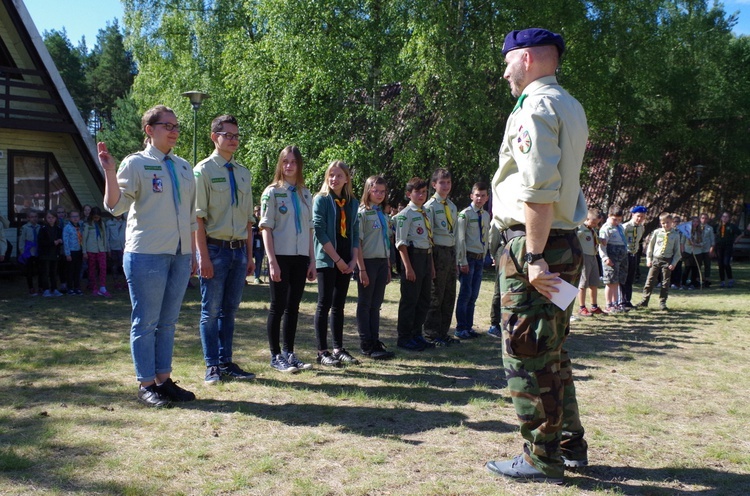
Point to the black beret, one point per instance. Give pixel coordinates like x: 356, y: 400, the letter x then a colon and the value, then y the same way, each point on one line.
x: 532, y: 37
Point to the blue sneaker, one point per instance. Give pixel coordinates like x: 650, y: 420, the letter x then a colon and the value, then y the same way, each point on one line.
x: 495, y: 332
x: 420, y: 340
x: 463, y: 334
x: 213, y: 376
x: 279, y: 363
x: 518, y: 468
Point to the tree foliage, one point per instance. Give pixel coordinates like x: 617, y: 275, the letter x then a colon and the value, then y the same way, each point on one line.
x: 401, y: 87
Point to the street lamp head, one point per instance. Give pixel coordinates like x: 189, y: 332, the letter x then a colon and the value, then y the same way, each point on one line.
x: 196, y: 98
x: 699, y: 169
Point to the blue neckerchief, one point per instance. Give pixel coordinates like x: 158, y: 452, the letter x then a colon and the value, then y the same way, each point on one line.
x: 232, y: 184
x: 295, y: 203
x: 384, y: 228
x: 175, y: 183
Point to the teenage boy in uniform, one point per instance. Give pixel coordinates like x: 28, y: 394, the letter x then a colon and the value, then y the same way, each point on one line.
x: 442, y: 215
x: 224, y: 239
x: 471, y: 249
x: 414, y: 244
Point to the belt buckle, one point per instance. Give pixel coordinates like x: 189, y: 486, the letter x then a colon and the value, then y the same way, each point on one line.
x: 232, y: 244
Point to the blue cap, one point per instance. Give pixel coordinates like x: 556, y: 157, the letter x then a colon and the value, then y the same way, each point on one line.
x: 532, y: 37
x: 638, y: 209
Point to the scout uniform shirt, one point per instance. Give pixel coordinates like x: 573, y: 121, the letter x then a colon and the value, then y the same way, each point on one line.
x: 708, y: 238
x: 469, y: 236
x: 29, y: 234
x: 611, y: 236
x: 443, y: 229
x: 277, y: 212
x: 540, y: 157
x: 411, y: 229
x: 153, y: 226
x: 374, y: 236
x: 633, y: 236
x: 589, y: 239
x: 664, y: 244
x: 224, y: 217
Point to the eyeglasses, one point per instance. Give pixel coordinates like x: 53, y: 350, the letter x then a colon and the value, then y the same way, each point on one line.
x: 229, y: 136
x: 168, y: 126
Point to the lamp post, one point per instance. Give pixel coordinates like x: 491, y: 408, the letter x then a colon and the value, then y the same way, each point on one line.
x: 699, y: 170
x: 196, y: 99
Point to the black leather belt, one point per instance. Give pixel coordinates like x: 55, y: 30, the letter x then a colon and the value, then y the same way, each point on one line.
x: 420, y: 250
x: 474, y: 256
x: 232, y: 245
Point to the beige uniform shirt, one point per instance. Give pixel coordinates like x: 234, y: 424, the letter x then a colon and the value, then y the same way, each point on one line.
x: 411, y: 229
x: 633, y: 236
x: 371, y: 231
x: 443, y: 234
x: 664, y: 244
x: 469, y: 238
x: 541, y: 156
x: 153, y: 226
x: 213, y: 199
x: 588, y: 237
x: 708, y: 238
x: 277, y: 213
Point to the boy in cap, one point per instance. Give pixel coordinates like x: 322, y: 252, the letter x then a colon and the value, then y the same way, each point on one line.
x: 633, y: 235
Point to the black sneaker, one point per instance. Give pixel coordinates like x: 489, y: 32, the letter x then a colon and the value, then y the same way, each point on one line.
x: 344, y: 357
x: 213, y: 376
x: 150, y: 396
x: 328, y: 360
x: 233, y: 371
x: 411, y: 345
x: 420, y: 340
x: 378, y: 352
x: 171, y: 390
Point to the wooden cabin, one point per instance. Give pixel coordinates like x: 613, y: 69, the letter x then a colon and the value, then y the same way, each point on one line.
x: 47, y: 155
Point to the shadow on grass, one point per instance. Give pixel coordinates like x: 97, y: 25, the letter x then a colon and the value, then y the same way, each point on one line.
x: 659, y: 481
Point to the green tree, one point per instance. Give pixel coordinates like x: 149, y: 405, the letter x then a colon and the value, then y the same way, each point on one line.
x: 109, y: 72
x: 70, y: 62
x: 124, y: 136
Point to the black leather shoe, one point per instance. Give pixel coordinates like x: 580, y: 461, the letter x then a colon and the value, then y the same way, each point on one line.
x: 171, y: 390
x: 150, y: 396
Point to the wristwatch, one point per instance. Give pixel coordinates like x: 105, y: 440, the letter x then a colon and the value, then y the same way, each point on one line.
x: 533, y: 257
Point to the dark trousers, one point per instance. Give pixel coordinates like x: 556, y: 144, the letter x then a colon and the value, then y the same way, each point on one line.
x: 706, y: 266
x: 285, y: 298
x: 369, y: 301
x: 692, y: 268
x: 415, y: 297
x: 724, y: 256
x: 627, y: 288
x: 48, y: 274
x: 74, y: 269
x: 496, y: 308
x: 62, y: 271
x: 32, y: 271
x: 443, y: 295
x: 659, y: 266
x: 332, y: 289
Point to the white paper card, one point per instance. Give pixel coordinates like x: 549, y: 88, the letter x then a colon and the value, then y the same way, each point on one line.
x: 566, y: 294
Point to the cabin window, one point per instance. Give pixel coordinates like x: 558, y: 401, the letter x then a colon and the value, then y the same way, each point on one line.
x: 36, y: 183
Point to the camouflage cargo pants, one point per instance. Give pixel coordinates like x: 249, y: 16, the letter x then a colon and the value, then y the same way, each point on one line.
x: 538, y: 370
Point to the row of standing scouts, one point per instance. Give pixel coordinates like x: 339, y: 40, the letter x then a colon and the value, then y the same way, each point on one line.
x: 59, y: 246
x: 678, y: 257
x: 174, y: 210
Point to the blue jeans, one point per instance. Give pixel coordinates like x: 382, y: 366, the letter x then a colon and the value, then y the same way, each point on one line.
x: 468, y: 294
x: 157, y: 285
x: 220, y: 299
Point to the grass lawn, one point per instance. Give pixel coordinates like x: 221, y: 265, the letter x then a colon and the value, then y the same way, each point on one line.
x: 663, y: 396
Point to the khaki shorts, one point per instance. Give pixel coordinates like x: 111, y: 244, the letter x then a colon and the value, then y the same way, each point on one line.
x: 590, y: 275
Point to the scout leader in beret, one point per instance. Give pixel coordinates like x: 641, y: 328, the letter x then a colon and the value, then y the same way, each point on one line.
x: 538, y: 204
